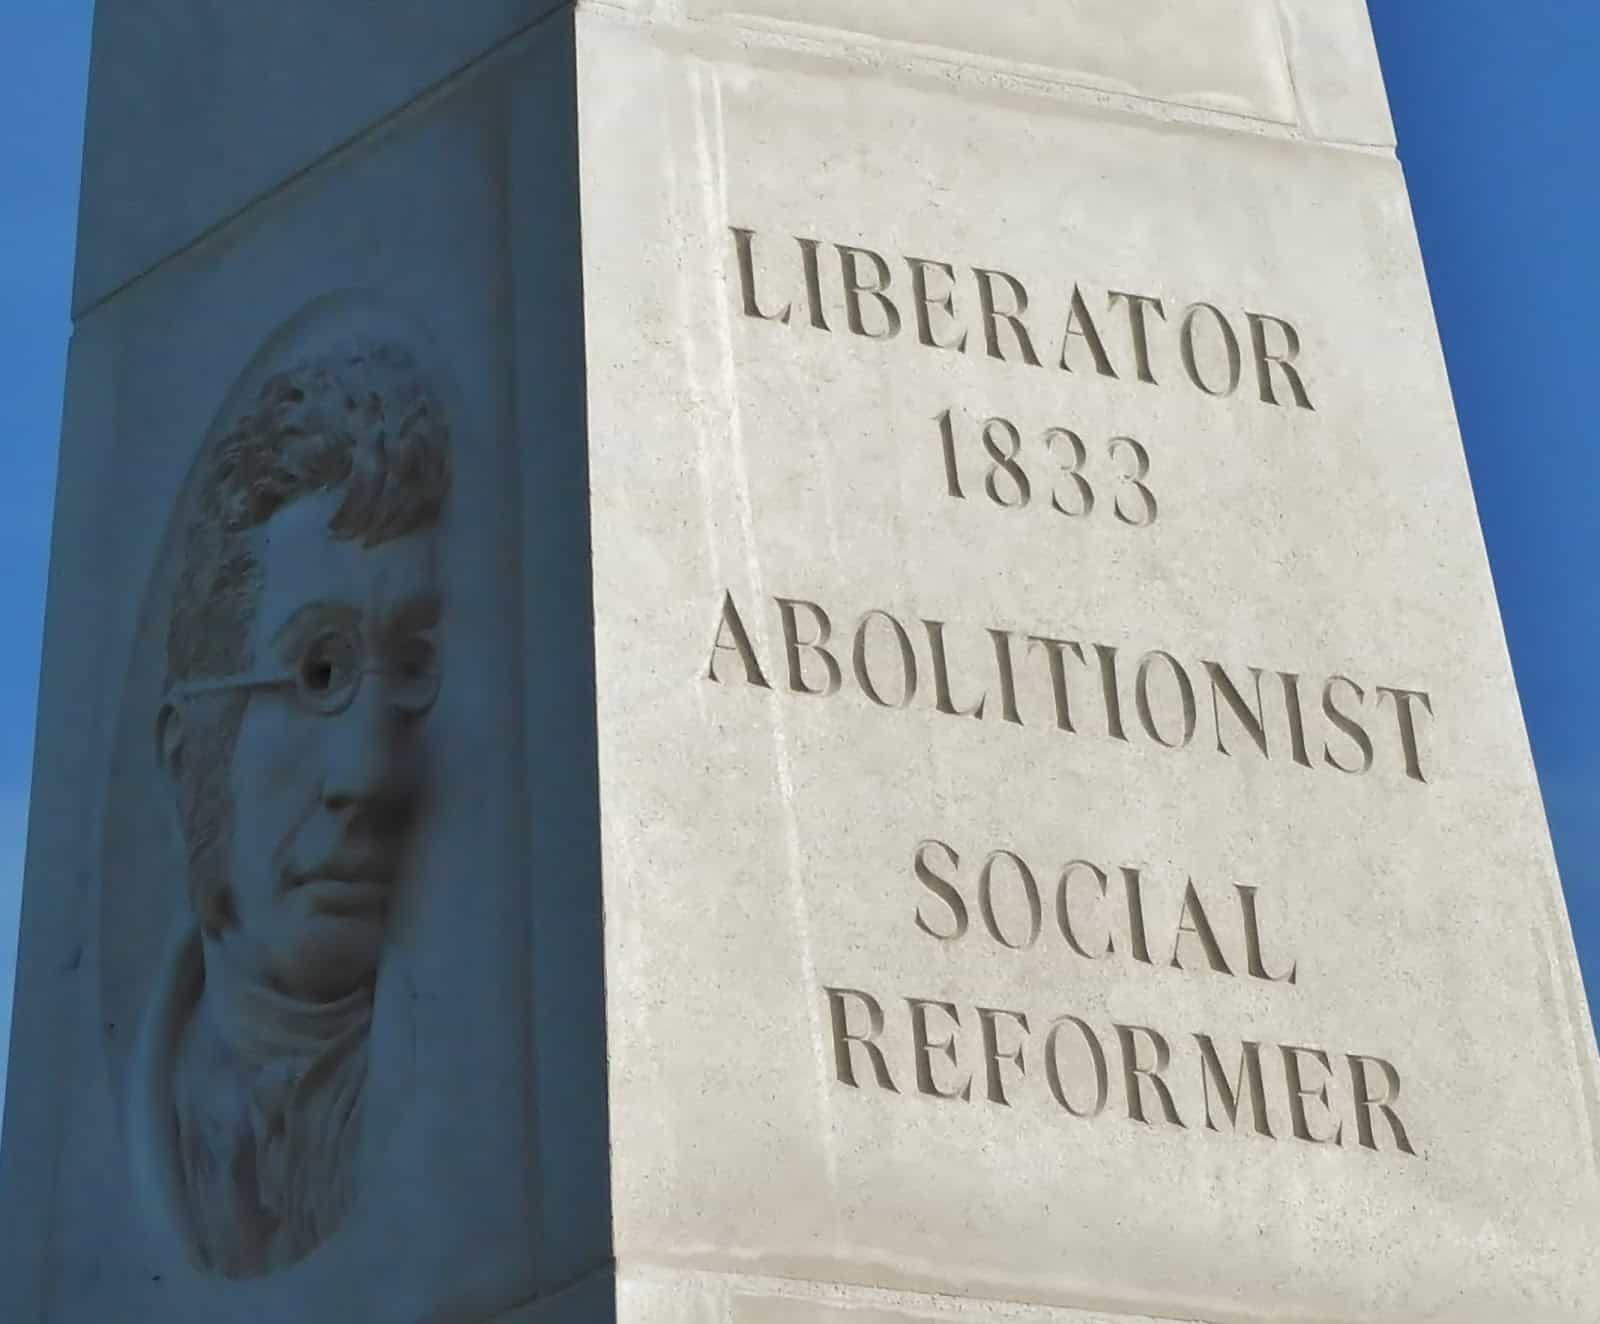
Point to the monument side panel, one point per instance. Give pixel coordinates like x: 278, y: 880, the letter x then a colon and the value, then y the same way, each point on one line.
x: 309, y: 1023
x: 1069, y: 836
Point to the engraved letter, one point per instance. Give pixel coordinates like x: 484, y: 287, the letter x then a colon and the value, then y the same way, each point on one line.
x: 992, y: 316
x: 1131, y: 1071
x: 813, y: 273
x: 941, y: 675
x: 1030, y: 892
x: 1052, y: 1068
x: 925, y: 304
x: 1192, y: 919
x: 1064, y: 917
x: 992, y: 1053
x: 942, y: 888
x: 1185, y: 697
x: 923, y: 1049
x: 1253, y: 722
x: 1366, y: 1101
x: 1058, y: 675
x: 908, y: 662
x: 1265, y: 359
x: 1252, y: 939
x: 1298, y: 1094
x: 1107, y: 656
x: 1008, y: 678
x: 743, y: 240
x: 1132, y: 885
x: 842, y: 1038
x: 1248, y: 1080
x: 1408, y: 729
x: 1079, y: 323
x: 1230, y: 345
x: 1348, y: 725
x: 793, y: 644
x: 1137, y: 303
x: 730, y: 624
x: 1296, y: 716
x: 853, y: 290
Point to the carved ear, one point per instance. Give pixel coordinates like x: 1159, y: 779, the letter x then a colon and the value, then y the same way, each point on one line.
x: 169, y: 740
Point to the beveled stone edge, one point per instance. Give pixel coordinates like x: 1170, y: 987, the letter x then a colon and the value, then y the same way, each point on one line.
x: 839, y: 1302
x: 962, y: 71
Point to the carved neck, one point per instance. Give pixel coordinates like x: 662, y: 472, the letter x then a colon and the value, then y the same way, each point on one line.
x: 260, y: 1024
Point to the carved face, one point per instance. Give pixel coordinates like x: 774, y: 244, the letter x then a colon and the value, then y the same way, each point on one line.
x: 326, y: 772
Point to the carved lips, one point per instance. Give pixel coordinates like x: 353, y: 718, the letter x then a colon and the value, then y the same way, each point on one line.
x: 339, y: 896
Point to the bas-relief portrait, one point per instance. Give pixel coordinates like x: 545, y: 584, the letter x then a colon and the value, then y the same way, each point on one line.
x: 290, y: 742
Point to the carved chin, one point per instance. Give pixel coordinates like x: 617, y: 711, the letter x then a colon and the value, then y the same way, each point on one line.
x: 333, y: 953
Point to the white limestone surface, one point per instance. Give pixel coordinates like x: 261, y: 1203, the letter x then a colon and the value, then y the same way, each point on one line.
x: 1069, y: 835
x: 1307, y: 66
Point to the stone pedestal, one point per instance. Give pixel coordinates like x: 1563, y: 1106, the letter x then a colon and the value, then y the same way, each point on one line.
x: 792, y: 662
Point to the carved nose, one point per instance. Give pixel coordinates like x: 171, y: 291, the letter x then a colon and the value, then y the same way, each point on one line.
x: 365, y: 763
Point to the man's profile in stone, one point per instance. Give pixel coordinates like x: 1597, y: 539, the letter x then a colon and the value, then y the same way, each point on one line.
x: 300, y: 673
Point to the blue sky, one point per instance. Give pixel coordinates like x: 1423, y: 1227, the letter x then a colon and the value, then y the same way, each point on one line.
x: 41, y: 135
x: 1494, y: 106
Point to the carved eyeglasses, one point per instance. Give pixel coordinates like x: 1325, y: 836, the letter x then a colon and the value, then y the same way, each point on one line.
x: 328, y: 674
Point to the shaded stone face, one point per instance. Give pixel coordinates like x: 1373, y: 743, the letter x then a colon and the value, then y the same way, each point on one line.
x: 327, y: 768
x: 313, y: 560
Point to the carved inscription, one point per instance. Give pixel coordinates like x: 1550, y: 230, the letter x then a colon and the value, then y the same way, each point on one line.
x: 847, y: 289
x: 1077, y: 913
x: 1088, y: 1069
x: 1150, y: 698
x: 1075, y: 481
x: 1096, y: 913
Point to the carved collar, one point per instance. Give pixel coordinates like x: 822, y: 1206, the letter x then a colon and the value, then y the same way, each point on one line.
x: 262, y: 1026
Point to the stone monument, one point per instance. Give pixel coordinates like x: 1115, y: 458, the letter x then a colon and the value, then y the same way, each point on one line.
x: 781, y: 662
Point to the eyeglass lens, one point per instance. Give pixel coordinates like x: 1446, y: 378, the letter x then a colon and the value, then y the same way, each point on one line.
x: 331, y: 671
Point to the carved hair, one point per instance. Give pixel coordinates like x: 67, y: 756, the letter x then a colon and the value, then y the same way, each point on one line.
x: 360, y: 420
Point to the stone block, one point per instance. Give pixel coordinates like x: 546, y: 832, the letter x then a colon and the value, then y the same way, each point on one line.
x: 1011, y: 545
x: 1217, y: 54
x: 777, y: 663
x: 402, y: 243
x: 1337, y: 80
x: 1300, y: 64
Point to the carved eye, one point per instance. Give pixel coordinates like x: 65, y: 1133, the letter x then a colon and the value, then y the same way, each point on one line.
x: 415, y: 657
x: 414, y: 674
x: 328, y: 670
